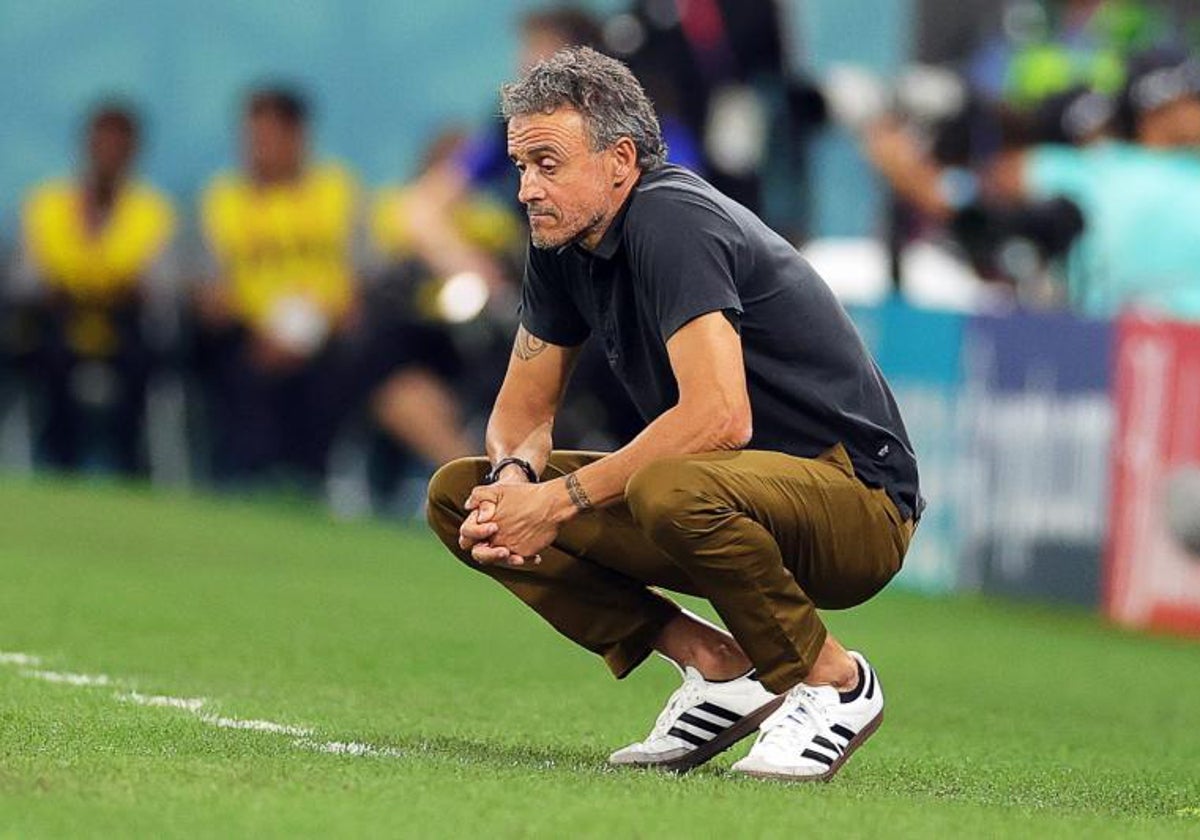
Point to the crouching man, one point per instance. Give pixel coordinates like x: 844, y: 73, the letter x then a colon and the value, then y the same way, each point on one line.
x: 774, y: 477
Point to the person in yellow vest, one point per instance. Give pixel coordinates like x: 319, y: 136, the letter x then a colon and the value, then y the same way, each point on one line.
x: 282, y: 301
x: 93, y: 248
x: 416, y: 373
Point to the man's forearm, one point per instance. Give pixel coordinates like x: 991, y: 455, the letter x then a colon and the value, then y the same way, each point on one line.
x: 678, y: 431
x: 514, y: 436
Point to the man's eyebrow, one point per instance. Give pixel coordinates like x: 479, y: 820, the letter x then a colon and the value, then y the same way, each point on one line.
x: 535, y: 151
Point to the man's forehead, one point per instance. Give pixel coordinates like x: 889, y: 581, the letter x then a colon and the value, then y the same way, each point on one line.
x: 561, y: 129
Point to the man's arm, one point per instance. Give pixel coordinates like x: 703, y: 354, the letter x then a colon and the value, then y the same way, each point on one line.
x: 523, y: 416
x: 519, y: 427
x: 713, y: 413
x: 434, y: 235
x: 917, y: 178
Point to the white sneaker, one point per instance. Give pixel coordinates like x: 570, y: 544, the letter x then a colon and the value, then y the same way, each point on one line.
x: 701, y: 720
x: 810, y: 736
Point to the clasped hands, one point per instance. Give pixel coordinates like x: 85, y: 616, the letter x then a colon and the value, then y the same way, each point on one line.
x: 510, y: 521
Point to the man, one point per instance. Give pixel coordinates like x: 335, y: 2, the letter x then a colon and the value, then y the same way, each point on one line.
x: 774, y: 478
x: 93, y: 250
x: 284, y: 295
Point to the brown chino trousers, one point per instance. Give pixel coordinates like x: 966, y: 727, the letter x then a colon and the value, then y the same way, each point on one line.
x: 766, y: 538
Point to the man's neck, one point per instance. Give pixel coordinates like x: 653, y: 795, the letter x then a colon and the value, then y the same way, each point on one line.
x: 101, y: 192
x: 279, y: 177
x: 99, y: 198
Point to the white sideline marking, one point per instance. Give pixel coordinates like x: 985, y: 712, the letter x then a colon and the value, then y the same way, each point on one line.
x: 188, y: 704
x: 302, y: 735
x: 347, y: 748
x: 82, y: 680
x: 257, y: 726
x: 19, y: 659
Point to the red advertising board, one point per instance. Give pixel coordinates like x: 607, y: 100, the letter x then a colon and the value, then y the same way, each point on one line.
x: 1152, y: 580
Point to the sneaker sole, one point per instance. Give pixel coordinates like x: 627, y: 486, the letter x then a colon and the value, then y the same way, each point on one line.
x: 856, y: 742
x: 746, y: 726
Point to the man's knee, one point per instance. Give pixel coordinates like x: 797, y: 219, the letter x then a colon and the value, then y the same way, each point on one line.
x: 448, y: 491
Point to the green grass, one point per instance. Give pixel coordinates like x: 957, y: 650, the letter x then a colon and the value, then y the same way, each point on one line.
x: 1002, y: 720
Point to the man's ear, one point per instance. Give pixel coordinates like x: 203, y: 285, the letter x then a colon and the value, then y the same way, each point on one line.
x: 624, y: 161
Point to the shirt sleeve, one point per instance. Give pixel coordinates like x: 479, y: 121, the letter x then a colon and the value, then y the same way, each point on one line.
x: 683, y: 253
x: 547, y: 310
x: 1052, y: 171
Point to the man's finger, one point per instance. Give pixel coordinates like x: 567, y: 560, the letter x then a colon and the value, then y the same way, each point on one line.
x: 478, y: 531
x: 472, y: 532
x: 482, y: 493
x: 483, y: 553
x: 486, y: 511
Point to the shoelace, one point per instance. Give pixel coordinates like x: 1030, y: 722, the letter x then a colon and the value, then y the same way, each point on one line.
x: 793, y: 724
x: 685, y: 697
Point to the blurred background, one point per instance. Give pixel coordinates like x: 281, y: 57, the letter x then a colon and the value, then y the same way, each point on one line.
x: 273, y: 248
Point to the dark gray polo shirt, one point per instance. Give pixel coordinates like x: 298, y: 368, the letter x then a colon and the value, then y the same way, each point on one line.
x: 680, y: 249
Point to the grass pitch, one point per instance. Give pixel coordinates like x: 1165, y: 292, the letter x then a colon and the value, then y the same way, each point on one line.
x: 1001, y: 720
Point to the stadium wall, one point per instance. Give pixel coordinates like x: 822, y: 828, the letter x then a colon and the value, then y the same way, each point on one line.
x: 384, y: 76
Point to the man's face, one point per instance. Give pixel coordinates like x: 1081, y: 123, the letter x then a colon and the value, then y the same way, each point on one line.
x: 274, y: 147
x: 110, y: 150
x: 565, y: 186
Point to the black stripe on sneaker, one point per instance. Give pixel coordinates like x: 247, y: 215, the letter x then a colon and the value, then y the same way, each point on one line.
x: 843, y: 731
x: 816, y: 756
x: 683, y: 735
x: 717, y: 711
x: 871, y: 687
x: 854, y: 693
x: 822, y: 741
x: 701, y: 723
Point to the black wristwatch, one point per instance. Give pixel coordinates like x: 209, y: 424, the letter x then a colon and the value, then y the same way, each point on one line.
x: 493, y: 475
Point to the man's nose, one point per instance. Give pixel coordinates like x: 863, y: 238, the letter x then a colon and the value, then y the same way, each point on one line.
x: 530, y: 189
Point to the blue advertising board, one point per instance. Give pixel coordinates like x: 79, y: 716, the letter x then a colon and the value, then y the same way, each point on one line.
x: 1037, y: 419
x: 920, y: 352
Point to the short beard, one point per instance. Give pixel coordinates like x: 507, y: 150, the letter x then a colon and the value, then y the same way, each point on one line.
x: 545, y: 244
x: 542, y: 243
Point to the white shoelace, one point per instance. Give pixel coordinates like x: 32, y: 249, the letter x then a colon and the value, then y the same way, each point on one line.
x: 793, y: 725
x: 690, y: 694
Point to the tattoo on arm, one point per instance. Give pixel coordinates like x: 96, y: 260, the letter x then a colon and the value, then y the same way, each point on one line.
x: 579, y: 496
x: 528, y: 345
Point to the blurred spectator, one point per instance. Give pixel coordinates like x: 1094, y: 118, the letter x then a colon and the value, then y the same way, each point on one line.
x: 715, y: 71
x: 481, y: 161
x: 279, y: 310
x: 1126, y: 212
x: 1139, y: 195
x: 418, y: 317
x: 480, y: 220
x: 94, y: 253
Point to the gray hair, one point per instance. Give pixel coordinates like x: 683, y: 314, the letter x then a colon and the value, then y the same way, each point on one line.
x: 603, y: 91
